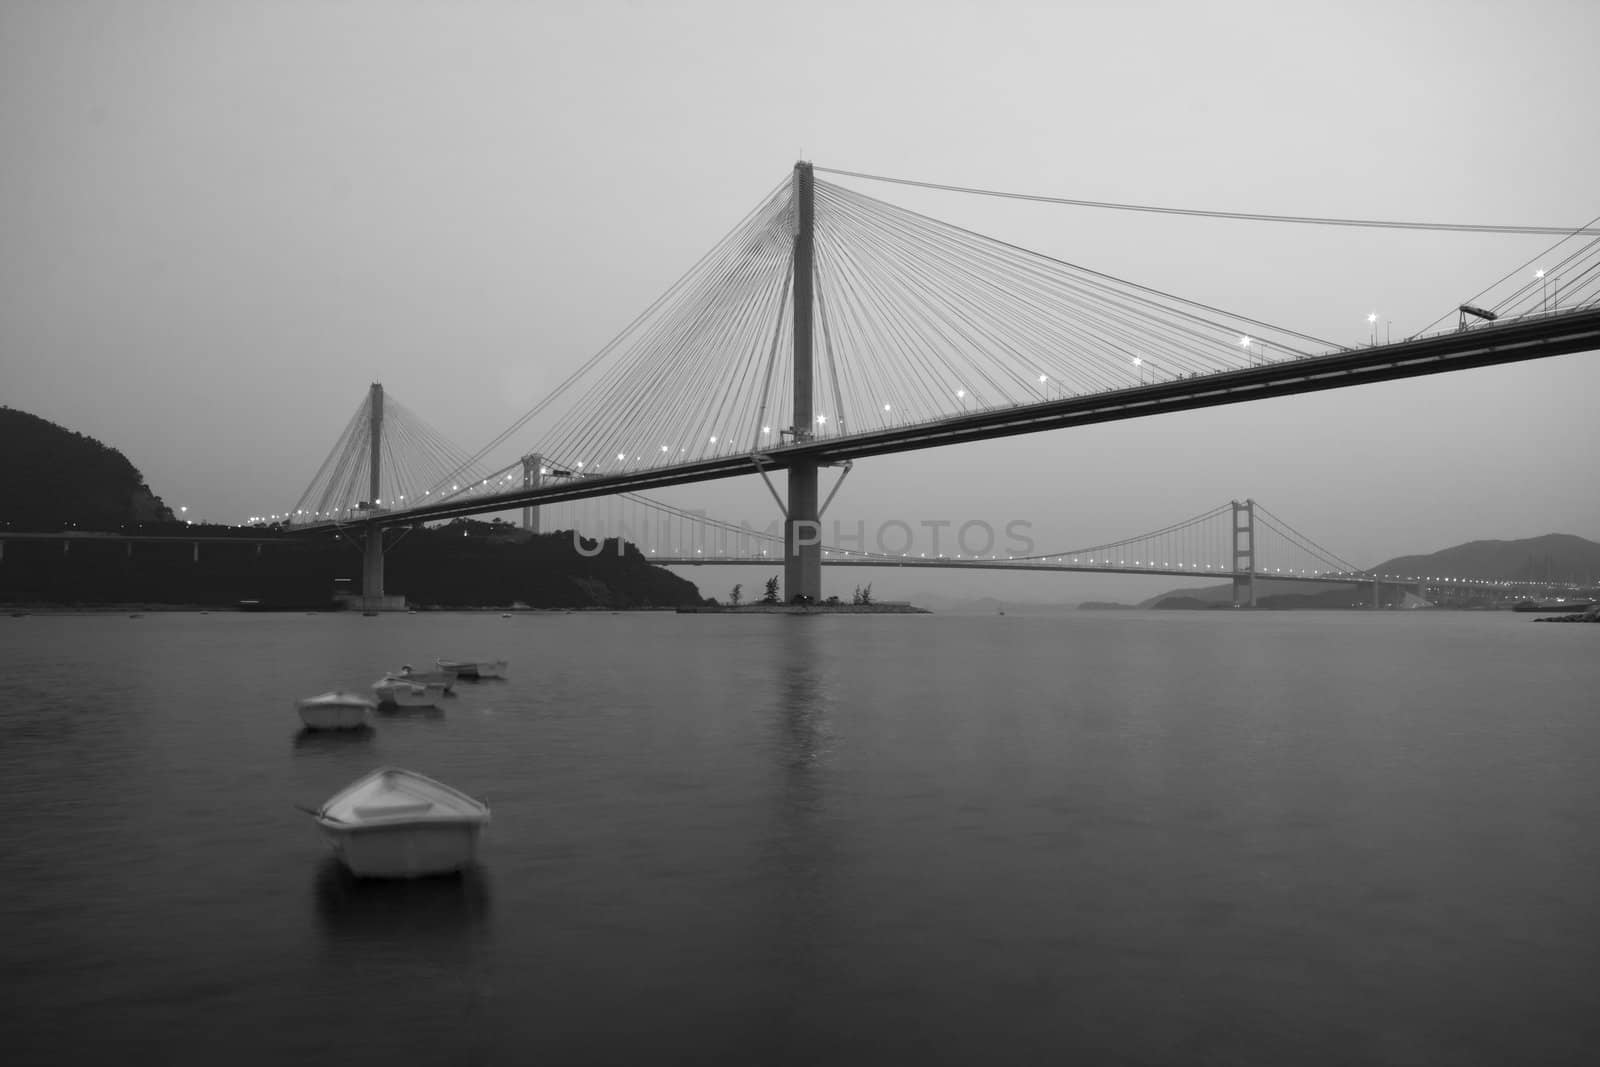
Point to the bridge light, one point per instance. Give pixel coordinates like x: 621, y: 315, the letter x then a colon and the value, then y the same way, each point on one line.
x: 1244, y: 342
x: 886, y: 407
x: 821, y: 419
x: 620, y: 456
x: 766, y: 429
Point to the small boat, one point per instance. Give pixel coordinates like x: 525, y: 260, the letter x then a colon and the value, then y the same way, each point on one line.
x: 399, y: 692
x: 336, y: 710
x: 474, y: 670
x: 444, y: 678
x: 395, y: 823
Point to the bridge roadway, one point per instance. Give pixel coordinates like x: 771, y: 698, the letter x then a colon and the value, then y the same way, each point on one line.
x: 828, y: 559
x: 947, y: 563
x: 1509, y: 341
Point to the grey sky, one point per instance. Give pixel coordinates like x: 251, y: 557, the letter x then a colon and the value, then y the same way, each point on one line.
x: 220, y: 221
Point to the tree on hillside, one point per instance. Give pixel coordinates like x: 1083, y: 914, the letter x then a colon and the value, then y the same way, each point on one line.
x: 735, y: 595
x: 771, y: 595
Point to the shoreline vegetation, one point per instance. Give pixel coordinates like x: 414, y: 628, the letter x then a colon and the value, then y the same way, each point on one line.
x: 879, y: 608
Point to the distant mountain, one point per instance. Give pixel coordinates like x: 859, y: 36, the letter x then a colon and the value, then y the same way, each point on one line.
x: 53, y: 478
x: 1552, y: 557
x: 1270, y: 593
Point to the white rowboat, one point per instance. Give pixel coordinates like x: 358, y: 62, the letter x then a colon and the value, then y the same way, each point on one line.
x: 444, y: 678
x: 336, y: 710
x: 395, y: 823
x: 396, y: 692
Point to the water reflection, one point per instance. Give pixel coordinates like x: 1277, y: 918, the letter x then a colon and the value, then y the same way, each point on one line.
x: 386, y: 909
x: 800, y: 707
x: 315, y: 740
x: 424, y: 711
x: 801, y: 852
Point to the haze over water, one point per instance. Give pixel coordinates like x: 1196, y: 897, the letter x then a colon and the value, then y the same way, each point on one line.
x: 1101, y: 838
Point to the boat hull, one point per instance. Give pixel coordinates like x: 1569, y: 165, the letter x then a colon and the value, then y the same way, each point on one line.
x: 444, y: 678
x: 405, y: 850
x: 400, y: 693
x: 395, y: 823
x: 323, y: 713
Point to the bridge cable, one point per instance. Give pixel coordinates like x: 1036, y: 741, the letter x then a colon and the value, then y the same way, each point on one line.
x: 1249, y: 216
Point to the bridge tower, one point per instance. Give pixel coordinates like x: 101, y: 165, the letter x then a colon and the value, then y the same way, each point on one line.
x: 372, y: 558
x: 533, y: 469
x: 1244, y: 557
x: 802, y: 541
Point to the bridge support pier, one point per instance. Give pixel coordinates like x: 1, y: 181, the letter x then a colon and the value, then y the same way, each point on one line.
x: 1377, y: 594
x: 532, y: 478
x: 372, y: 567
x: 802, y: 536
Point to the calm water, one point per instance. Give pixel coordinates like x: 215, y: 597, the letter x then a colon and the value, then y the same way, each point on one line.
x: 1099, y: 838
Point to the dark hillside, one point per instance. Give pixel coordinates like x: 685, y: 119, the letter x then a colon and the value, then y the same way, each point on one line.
x: 54, y: 479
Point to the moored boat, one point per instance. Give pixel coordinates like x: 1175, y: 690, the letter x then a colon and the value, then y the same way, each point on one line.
x: 395, y: 691
x: 339, y: 709
x: 474, y: 669
x: 395, y: 823
x: 444, y: 678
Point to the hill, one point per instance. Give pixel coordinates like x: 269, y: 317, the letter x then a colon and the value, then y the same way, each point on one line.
x: 1550, y: 557
x: 54, y: 478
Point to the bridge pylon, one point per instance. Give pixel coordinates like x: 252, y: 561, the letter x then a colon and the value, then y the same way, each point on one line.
x: 1244, y: 556
x: 802, y: 526
x: 372, y: 595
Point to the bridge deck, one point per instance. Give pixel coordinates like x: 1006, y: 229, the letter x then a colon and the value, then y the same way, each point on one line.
x: 1508, y: 341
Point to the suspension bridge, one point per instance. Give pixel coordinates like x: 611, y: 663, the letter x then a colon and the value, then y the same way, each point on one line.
x: 829, y: 326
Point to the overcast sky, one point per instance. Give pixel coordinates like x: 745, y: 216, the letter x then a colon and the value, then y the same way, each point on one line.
x: 219, y: 221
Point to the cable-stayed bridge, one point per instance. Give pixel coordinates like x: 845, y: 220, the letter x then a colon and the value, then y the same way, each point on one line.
x: 830, y: 326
